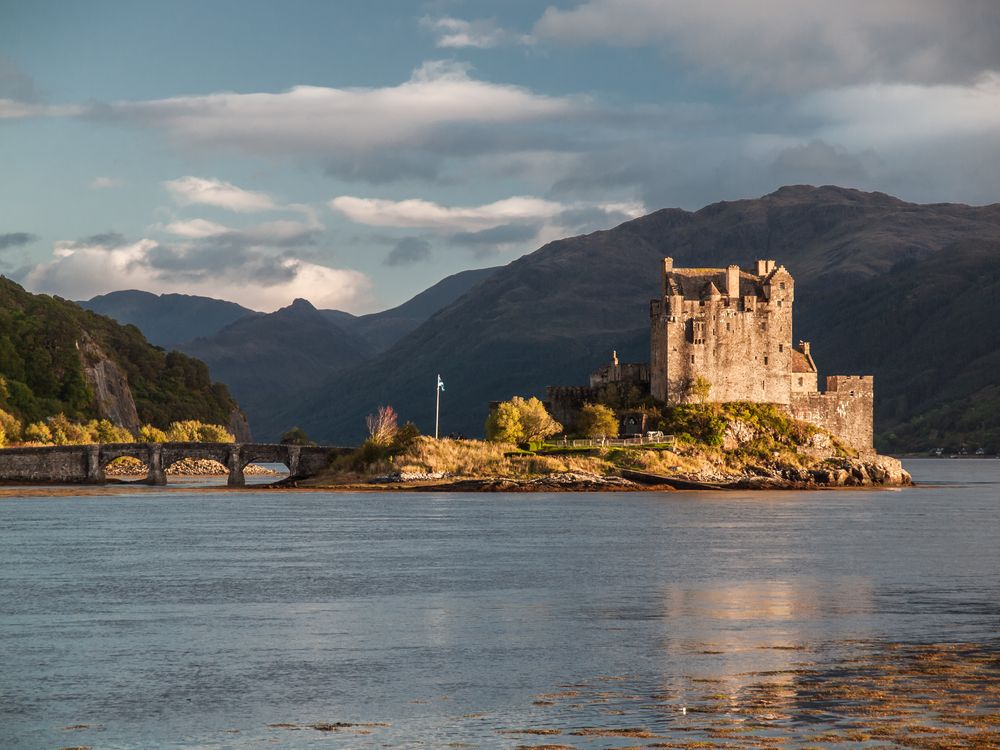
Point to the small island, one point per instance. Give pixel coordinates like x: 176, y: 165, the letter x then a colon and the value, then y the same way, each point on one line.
x: 727, y: 401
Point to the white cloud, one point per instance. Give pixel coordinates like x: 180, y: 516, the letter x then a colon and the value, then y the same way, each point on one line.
x: 13, y: 109
x: 316, y: 119
x: 894, y: 114
x: 482, y: 33
x: 282, y: 233
x: 795, y: 44
x: 80, y: 270
x: 105, y: 183
x: 423, y: 214
x: 197, y: 190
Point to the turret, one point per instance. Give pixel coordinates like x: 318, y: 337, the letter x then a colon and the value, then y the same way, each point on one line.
x: 733, y: 282
x: 668, y: 267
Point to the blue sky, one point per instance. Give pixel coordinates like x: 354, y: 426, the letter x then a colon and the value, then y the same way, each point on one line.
x: 355, y: 153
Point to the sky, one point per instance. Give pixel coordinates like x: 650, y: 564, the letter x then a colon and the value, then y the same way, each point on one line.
x: 354, y: 153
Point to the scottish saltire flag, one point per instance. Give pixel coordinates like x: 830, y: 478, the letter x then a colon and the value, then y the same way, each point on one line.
x: 440, y: 383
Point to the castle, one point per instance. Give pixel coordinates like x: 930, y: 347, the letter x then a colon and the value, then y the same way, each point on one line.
x: 725, y: 334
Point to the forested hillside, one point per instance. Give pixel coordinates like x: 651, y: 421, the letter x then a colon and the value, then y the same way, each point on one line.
x: 56, y: 357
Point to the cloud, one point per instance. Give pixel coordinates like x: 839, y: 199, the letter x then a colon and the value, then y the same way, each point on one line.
x: 790, y: 44
x: 423, y: 214
x: 310, y: 120
x: 105, y: 183
x: 197, y: 190
x: 257, y: 279
x: 16, y: 239
x: 408, y: 250
x: 283, y: 233
x: 482, y: 33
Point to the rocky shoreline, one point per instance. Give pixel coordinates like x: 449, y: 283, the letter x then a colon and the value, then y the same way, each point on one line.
x: 880, y: 471
x: 186, y: 467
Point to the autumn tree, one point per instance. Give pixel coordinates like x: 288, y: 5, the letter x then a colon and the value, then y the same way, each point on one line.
x: 382, y: 426
x: 520, y: 420
x: 597, y: 421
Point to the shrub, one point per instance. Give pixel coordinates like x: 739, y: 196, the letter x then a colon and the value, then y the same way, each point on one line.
x: 296, y: 436
x: 10, y: 426
x: 193, y: 431
x: 150, y: 434
x: 38, y: 432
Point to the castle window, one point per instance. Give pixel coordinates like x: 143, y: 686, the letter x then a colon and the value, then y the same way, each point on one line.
x: 692, y: 359
x: 781, y: 285
x: 779, y: 303
x: 800, y: 381
x: 781, y: 347
x: 698, y: 332
x: 765, y: 360
x: 729, y: 326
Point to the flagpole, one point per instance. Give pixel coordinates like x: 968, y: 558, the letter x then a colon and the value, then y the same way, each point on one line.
x: 437, y: 406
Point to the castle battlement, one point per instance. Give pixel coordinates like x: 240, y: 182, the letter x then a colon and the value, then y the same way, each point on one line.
x: 729, y: 330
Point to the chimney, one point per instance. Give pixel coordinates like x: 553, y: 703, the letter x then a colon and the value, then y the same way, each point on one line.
x: 760, y: 267
x: 733, y: 282
x: 668, y: 267
x: 804, y: 347
x: 614, y: 358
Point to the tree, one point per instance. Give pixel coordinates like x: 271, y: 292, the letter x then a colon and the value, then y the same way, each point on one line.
x: 700, y: 389
x: 597, y: 421
x: 503, y: 425
x: 538, y: 424
x: 520, y: 420
x: 296, y: 436
x: 193, y: 431
x: 382, y: 426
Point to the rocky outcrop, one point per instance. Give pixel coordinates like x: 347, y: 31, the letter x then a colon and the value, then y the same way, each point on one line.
x: 239, y: 426
x: 880, y: 471
x: 109, y: 384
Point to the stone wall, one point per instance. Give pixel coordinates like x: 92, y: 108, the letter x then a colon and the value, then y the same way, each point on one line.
x: 846, y: 409
x: 741, y: 345
x: 80, y: 464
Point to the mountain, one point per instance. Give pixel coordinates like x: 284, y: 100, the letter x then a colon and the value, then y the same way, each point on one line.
x: 874, y: 276
x: 264, y: 358
x: 167, y: 319
x: 57, y: 357
x: 383, y: 329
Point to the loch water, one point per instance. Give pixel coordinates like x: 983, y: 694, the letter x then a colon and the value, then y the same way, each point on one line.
x: 190, y: 617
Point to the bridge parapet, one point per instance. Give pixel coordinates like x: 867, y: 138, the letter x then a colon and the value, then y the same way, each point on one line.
x: 86, y: 464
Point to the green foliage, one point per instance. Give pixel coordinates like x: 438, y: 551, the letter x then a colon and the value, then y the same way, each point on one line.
x: 520, y: 420
x: 503, y: 425
x: 404, y: 439
x: 700, y: 389
x: 38, y: 432
x: 46, y: 343
x: 150, y: 434
x: 695, y: 423
x: 10, y: 428
x: 597, y: 420
x: 296, y: 436
x: 193, y: 431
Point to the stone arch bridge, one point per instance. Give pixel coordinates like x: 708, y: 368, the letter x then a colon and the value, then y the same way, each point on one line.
x: 85, y: 464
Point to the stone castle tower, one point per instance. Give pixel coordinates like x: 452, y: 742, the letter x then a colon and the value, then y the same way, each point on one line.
x: 728, y: 331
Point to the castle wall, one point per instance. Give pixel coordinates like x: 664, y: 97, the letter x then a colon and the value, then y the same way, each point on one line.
x: 564, y: 402
x: 846, y: 409
x: 741, y: 345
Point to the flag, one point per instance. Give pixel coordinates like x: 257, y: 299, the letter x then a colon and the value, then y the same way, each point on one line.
x: 440, y: 384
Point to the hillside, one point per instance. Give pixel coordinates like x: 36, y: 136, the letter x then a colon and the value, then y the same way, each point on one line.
x: 290, y: 350
x: 552, y: 316
x: 56, y: 357
x: 167, y: 320
x: 383, y: 329
x: 265, y: 358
